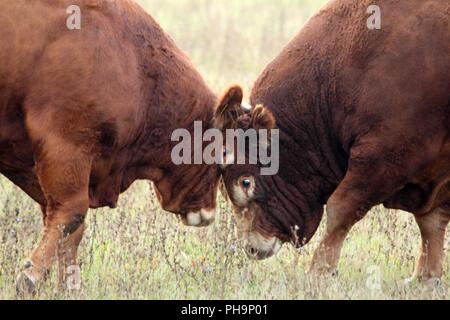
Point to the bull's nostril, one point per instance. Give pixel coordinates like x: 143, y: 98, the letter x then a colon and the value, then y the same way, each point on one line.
x: 253, y: 251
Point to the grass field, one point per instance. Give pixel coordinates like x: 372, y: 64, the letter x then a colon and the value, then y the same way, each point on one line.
x: 138, y: 251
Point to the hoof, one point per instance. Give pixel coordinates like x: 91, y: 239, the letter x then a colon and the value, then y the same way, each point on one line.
x: 25, y: 285
x: 429, y: 284
x: 433, y: 282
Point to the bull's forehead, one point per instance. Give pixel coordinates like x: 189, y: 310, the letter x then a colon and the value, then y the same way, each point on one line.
x: 235, y: 171
x: 276, y: 214
x: 194, y: 191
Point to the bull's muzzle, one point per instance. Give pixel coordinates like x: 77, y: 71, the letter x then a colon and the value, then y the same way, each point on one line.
x: 202, y: 218
x: 258, y: 247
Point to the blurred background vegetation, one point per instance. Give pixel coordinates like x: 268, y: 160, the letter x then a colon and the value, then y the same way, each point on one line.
x: 138, y: 251
x: 231, y: 41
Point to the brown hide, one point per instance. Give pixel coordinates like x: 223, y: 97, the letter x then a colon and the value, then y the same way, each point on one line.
x: 113, y: 91
x: 345, y: 96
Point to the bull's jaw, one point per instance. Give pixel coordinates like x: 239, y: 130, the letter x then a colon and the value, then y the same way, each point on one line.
x: 202, y: 218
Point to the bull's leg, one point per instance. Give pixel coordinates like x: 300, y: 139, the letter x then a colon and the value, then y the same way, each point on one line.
x: 67, y: 256
x: 64, y: 178
x: 432, y: 228
x: 339, y: 224
x: 365, y: 185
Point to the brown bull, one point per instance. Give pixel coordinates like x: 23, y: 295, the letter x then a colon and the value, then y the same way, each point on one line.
x: 364, y: 120
x: 86, y: 112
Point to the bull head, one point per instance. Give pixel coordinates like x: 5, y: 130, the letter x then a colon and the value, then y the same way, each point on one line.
x: 268, y: 210
x: 241, y: 181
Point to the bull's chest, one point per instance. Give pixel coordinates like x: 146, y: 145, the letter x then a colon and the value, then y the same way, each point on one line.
x: 109, y: 178
x: 17, y: 164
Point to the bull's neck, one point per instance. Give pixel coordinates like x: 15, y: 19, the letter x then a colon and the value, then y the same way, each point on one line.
x: 173, y: 94
x: 311, y: 157
x: 311, y: 160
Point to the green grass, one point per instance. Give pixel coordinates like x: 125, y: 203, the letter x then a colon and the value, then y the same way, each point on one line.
x: 138, y: 251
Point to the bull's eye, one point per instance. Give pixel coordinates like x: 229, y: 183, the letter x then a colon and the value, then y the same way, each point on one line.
x: 243, y: 191
x: 246, y: 183
x: 225, y: 152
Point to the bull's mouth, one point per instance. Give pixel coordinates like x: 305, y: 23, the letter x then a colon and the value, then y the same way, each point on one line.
x: 261, y: 249
x: 201, y: 218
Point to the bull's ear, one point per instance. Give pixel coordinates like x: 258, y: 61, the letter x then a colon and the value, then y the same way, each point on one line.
x: 229, y: 108
x: 263, y: 118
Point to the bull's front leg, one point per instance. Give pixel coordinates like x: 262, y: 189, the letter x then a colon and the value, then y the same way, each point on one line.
x: 364, y: 186
x: 64, y: 178
x: 56, y: 245
x: 432, y: 229
x: 340, y: 220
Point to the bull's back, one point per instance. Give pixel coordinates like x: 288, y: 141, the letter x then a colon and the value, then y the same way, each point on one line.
x: 26, y: 27
x: 400, y: 71
x: 397, y: 73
